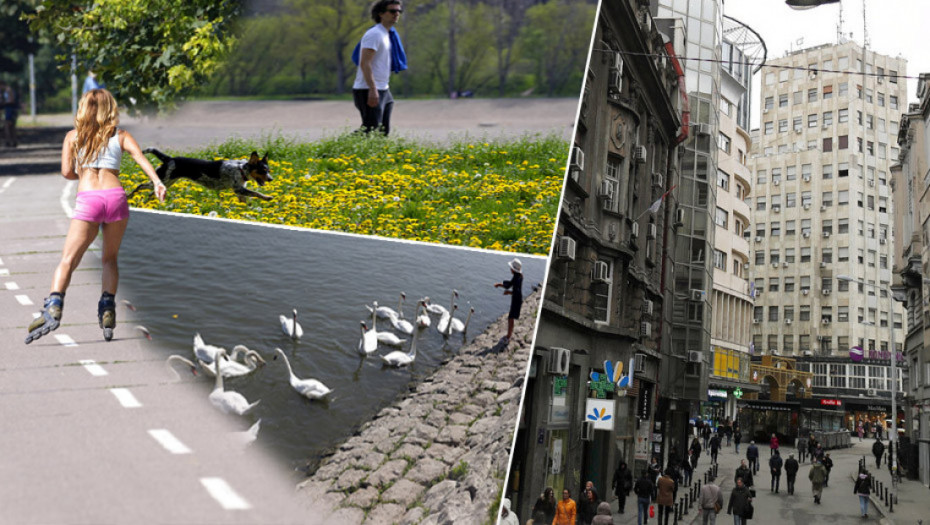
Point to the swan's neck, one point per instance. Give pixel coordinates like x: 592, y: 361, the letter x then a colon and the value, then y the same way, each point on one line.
x: 219, y: 376
x: 413, y: 347
x: 468, y: 318
x: 288, y: 363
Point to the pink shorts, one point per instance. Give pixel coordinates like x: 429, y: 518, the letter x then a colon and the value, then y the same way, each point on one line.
x: 101, y: 205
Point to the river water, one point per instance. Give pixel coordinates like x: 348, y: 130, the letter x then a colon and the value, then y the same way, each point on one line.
x: 230, y: 281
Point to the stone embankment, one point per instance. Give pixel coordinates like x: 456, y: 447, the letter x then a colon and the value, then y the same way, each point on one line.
x: 439, y: 455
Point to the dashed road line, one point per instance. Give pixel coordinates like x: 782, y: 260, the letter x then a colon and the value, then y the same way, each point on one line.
x: 91, y: 366
x: 65, y: 340
x: 224, y: 494
x: 65, y: 194
x: 24, y: 300
x: 167, y: 440
x: 126, y: 398
x: 11, y: 285
x: 4, y: 272
x: 8, y: 183
x: 1, y: 261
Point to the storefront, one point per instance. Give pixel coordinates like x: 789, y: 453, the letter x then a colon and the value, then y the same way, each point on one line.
x: 715, y: 410
x: 821, y: 415
x: 870, y: 413
x: 760, y: 419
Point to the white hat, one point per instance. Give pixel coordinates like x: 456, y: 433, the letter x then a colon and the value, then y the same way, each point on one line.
x: 516, y: 266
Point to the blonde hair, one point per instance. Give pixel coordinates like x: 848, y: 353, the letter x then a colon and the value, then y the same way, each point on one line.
x: 95, y: 122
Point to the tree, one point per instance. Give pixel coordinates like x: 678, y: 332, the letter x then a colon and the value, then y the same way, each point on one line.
x: 557, y: 36
x: 150, y: 51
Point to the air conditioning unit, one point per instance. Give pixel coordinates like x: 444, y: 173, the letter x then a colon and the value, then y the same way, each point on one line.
x: 639, y: 154
x: 776, y: 208
x: 766, y: 110
x: 774, y: 265
x: 607, y: 205
x: 871, y: 183
x: 639, y: 362
x: 807, y: 178
x: 823, y: 207
x: 784, y: 264
x: 758, y: 239
x: 745, y: 266
x: 615, y: 86
x: 605, y: 190
x: 575, y: 174
x: 797, y: 130
x: 872, y: 392
x: 697, y: 295
x: 577, y: 158
x: 600, y: 272
x: 618, y: 62
x: 645, y: 329
x: 634, y: 230
x: 587, y: 431
x: 881, y: 240
x: 807, y: 206
x: 702, y: 129
x: 806, y: 234
x: 651, y: 231
x: 695, y: 356
x: 776, y: 182
x: 559, y: 361
x: 826, y: 126
x: 788, y: 320
x: 805, y: 291
x: 808, y: 353
x: 826, y: 234
x: 826, y: 291
x: 647, y: 307
x: 567, y: 248
x: 658, y: 180
x: 757, y: 321
x: 823, y: 265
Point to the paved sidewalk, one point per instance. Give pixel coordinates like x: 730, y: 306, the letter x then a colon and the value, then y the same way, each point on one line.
x: 97, y: 432
x: 913, y: 498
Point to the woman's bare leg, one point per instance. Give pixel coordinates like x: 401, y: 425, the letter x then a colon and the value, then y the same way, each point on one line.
x: 80, y: 235
x: 112, y: 238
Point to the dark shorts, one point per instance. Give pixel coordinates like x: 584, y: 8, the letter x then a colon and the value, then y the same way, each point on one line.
x: 10, y: 114
x: 515, y: 305
x: 375, y: 117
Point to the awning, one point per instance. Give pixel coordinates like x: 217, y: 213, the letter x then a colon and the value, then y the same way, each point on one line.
x: 732, y: 384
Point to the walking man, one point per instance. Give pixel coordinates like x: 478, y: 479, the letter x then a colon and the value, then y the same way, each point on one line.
x: 622, y: 483
x: 744, y: 473
x: 710, y: 502
x: 643, y: 489
x: 791, y: 472
x: 381, y: 52
x: 827, y: 464
x: 817, y: 475
x: 878, y: 450
x: 775, y: 464
x: 739, y: 500
x: 802, y: 449
x: 737, y: 438
x: 752, y: 454
x: 714, y: 447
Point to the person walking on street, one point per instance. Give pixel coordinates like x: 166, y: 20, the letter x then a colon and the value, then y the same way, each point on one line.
x: 508, y: 517
x: 737, y: 438
x: 817, y: 475
x: 827, y: 464
x: 745, y: 473
x: 878, y: 450
x: 643, y: 488
x: 862, y: 488
x: 380, y: 53
x: 705, y: 434
x: 752, y: 454
x: 695, y: 452
x: 710, y: 502
x: 603, y: 515
x: 802, y: 449
x: 860, y: 431
x: 546, y: 504
x: 513, y: 288
x: 791, y: 472
x: 622, y: 484
x: 565, y: 510
x: 773, y: 445
x: 589, y: 504
x: 739, y: 501
x: 775, y: 464
x: 9, y: 103
x: 665, y: 496
x: 687, y: 471
x: 714, y: 447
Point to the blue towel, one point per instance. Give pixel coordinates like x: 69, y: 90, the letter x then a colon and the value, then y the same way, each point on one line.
x: 398, y: 55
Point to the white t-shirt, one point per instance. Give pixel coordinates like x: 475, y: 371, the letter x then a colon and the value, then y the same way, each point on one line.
x: 379, y: 39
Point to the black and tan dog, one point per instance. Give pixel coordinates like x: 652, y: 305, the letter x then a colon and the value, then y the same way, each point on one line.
x: 216, y: 175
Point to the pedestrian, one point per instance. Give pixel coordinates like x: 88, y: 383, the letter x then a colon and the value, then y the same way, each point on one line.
x: 878, y: 450
x: 565, y: 510
x: 588, y: 507
x: 737, y: 438
x: 643, y: 488
x: 710, y: 502
x: 603, y: 515
x: 791, y: 472
x: 752, y: 454
x: 508, y: 517
x: 695, y: 452
x: 860, y: 431
x: 740, y: 500
x: 862, y: 488
x: 775, y: 464
x: 622, y: 484
x: 655, y: 470
x: 802, y: 449
x: 91, y: 82
x: 818, y: 452
x: 773, y: 445
x: 714, y: 447
x: 91, y: 154
x: 728, y: 432
x: 513, y: 288
x: 9, y: 103
x: 827, y: 464
x: 545, y: 504
x: 665, y: 496
x: 745, y: 473
x: 380, y: 53
x: 817, y: 475
x: 705, y: 434
x: 687, y: 471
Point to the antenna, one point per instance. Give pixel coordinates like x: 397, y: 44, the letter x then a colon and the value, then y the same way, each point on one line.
x: 839, y: 27
x: 865, y: 27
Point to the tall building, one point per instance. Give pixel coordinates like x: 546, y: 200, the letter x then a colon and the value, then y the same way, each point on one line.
x: 606, y: 297
x: 821, y: 210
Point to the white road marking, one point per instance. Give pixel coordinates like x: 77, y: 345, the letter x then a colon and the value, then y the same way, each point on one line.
x: 1, y: 261
x: 126, y: 398
x: 167, y: 440
x: 11, y: 285
x: 24, y: 300
x: 8, y: 183
x: 224, y: 494
x: 65, y: 340
x: 91, y: 366
x: 65, y: 197
x: 4, y: 271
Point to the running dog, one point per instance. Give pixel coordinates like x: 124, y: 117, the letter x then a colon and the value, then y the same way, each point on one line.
x: 216, y: 175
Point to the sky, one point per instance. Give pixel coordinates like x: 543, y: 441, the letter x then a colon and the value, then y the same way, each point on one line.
x: 895, y: 27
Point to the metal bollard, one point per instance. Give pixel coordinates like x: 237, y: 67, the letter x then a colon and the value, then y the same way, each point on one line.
x: 886, y: 496
x: 891, y: 506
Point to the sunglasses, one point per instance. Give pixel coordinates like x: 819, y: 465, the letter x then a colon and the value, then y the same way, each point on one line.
x: 395, y: 11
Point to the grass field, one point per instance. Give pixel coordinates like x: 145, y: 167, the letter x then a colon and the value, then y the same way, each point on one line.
x: 497, y: 195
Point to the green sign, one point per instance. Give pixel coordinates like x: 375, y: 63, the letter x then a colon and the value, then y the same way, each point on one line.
x: 738, y: 393
x: 559, y: 384
x: 601, y: 385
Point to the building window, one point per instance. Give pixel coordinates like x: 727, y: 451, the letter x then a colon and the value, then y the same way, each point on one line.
x: 842, y: 226
x: 842, y: 254
x: 842, y: 197
x: 805, y: 254
x: 724, y: 142
x: 773, y: 314
x: 783, y: 100
x: 805, y: 313
x: 789, y: 227
x: 773, y: 284
x: 812, y: 95
x: 790, y: 200
x: 843, y: 141
x: 769, y: 102
x: 828, y: 171
x: 720, y: 260
x: 769, y: 128
x: 601, y: 290
x: 783, y: 125
x: 827, y: 144
x: 789, y: 255
x: 811, y: 122
x: 843, y: 116
x: 723, y: 180
x: 797, y: 98
x: 789, y: 285
x: 827, y: 118
x: 721, y: 218
x: 893, y: 102
x: 827, y: 199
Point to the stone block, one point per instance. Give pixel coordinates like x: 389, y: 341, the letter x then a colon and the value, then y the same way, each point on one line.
x: 363, y: 498
x: 436, y: 496
x: 388, y: 473
x: 426, y: 471
x: 404, y: 492
x: 384, y: 514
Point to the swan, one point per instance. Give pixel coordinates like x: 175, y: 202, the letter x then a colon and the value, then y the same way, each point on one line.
x: 435, y: 308
x: 444, y: 320
x: 310, y: 388
x: 204, y: 352
x: 230, y: 401
x: 245, y: 438
x: 291, y: 327
x: 369, y: 341
x: 184, y: 360
x: 389, y: 338
x: 129, y: 306
x: 400, y: 358
x: 423, y: 320
x: 457, y: 325
x: 145, y: 332
x: 233, y: 368
x: 385, y: 312
x: 401, y: 325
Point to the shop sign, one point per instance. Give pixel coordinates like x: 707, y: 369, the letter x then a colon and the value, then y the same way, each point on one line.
x: 716, y: 393
x: 738, y: 393
x: 644, y: 403
x: 831, y: 402
x: 600, y: 412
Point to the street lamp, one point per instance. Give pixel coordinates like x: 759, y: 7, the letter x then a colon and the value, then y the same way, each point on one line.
x: 894, y: 368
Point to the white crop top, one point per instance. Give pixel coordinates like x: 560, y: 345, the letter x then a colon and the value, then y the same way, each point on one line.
x: 110, y: 155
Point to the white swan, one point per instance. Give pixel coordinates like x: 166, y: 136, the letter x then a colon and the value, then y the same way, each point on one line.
x: 389, y: 338
x: 423, y: 320
x: 457, y: 325
x: 232, y: 367
x: 369, y: 341
x: 310, y: 388
x: 230, y: 401
x: 204, y: 352
x: 385, y: 312
x: 247, y: 437
x: 184, y: 360
x: 435, y: 309
x: 400, y: 358
x: 445, y: 319
x: 145, y: 332
x: 291, y: 327
x: 401, y: 325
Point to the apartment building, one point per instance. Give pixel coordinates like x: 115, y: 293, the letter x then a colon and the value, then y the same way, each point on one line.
x: 822, y: 209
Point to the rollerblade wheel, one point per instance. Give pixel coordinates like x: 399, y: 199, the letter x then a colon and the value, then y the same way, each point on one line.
x: 108, y: 333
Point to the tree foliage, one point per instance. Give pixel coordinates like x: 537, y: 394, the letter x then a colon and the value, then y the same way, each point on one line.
x: 151, y: 51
